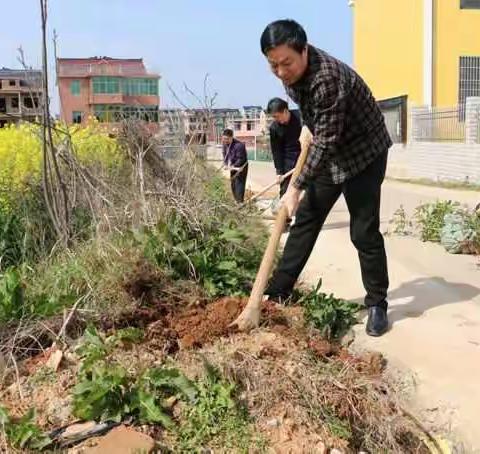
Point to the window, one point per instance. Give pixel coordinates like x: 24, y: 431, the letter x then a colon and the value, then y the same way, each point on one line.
x: 14, y: 103
x: 469, y: 4
x: 469, y: 78
x: 30, y: 102
x: 108, y: 113
x: 129, y: 87
x: 140, y: 87
x: 75, y: 87
x: 12, y: 83
x: 77, y: 116
x: 238, y: 126
x: 106, y: 85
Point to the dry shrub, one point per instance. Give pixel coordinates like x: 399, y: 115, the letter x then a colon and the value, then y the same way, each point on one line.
x: 343, y: 399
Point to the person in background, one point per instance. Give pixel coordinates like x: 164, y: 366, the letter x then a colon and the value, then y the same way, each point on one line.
x: 284, y: 140
x: 235, y: 160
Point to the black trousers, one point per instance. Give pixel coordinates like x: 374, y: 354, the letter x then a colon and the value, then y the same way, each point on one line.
x: 284, y: 185
x: 238, y: 182
x: 362, y: 194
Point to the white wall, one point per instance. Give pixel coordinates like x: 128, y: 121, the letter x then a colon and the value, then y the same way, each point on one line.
x: 436, y: 161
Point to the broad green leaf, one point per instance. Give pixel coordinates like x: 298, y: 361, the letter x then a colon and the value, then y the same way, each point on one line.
x: 151, y: 412
x: 173, y: 378
x: 227, y: 265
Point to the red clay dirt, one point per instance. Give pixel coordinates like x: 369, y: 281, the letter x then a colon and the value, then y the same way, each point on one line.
x: 184, y: 326
x: 200, y: 325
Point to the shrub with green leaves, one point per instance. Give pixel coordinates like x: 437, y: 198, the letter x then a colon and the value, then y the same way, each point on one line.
x: 332, y: 316
x: 224, y: 260
x: 11, y: 295
x: 431, y: 218
x: 26, y: 231
x: 95, y: 346
x: 106, y: 390
x: 216, y: 419
x: 16, y: 303
x: 23, y: 433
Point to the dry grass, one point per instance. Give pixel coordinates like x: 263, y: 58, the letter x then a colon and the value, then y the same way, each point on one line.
x: 343, y: 400
x: 315, y: 393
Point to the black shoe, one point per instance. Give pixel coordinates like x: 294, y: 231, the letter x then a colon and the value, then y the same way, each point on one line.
x: 377, y: 323
x: 280, y: 287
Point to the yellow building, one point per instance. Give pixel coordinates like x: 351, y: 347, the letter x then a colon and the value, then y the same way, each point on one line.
x: 428, y: 50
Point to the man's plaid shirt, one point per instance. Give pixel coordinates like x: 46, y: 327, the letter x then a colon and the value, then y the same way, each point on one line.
x: 348, y: 128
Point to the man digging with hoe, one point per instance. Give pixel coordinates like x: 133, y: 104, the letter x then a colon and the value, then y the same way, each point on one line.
x: 348, y: 155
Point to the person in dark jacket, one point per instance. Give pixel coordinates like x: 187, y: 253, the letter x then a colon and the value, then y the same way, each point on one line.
x: 284, y: 141
x: 348, y: 156
x: 284, y: 138
x: 235, y: 159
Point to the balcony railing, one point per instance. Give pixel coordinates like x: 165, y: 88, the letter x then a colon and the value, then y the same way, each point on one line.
x: 89, y: 69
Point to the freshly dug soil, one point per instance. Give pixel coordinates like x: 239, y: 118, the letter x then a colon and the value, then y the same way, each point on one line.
x: 198, y: 326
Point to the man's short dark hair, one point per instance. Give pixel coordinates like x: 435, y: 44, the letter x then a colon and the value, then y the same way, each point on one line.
x: 276, y: 105
x: 228, y: 132
x: 286, y: 32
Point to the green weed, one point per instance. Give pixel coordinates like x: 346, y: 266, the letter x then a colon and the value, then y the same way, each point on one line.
x: 216, y: 419
x: 400, y: 222
x: 95, y: 346
x: 16, y: 303
x: 108, y: 391
x: 337, y: 426
x: 332, y: 316
x: 223, y: 260
x: 430, y: 217
x: 23, y: 432
x: 11, y: 295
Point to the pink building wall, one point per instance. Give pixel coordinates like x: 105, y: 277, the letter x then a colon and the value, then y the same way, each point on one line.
x: 84, y: 69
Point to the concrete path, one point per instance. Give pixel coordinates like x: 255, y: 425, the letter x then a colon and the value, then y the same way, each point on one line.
x: 434, y: 307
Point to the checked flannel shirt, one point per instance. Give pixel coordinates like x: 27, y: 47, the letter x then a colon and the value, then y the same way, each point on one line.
x: 348, y: 128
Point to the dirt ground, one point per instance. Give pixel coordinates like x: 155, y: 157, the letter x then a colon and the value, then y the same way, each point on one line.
x: 286, y: 371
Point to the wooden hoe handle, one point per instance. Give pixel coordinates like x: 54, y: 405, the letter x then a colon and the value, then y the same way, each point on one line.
x: 250, y: 316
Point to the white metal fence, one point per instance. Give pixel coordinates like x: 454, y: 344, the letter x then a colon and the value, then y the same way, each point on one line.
x: 439, y: 124
x: 457, y: 124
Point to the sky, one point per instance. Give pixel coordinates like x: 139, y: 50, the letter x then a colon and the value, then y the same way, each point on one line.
x: 182, y: 40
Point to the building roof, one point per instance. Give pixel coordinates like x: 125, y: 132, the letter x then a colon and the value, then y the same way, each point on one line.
x: 102, y: 66
x: 104, y: 58
x: 20, y: 73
